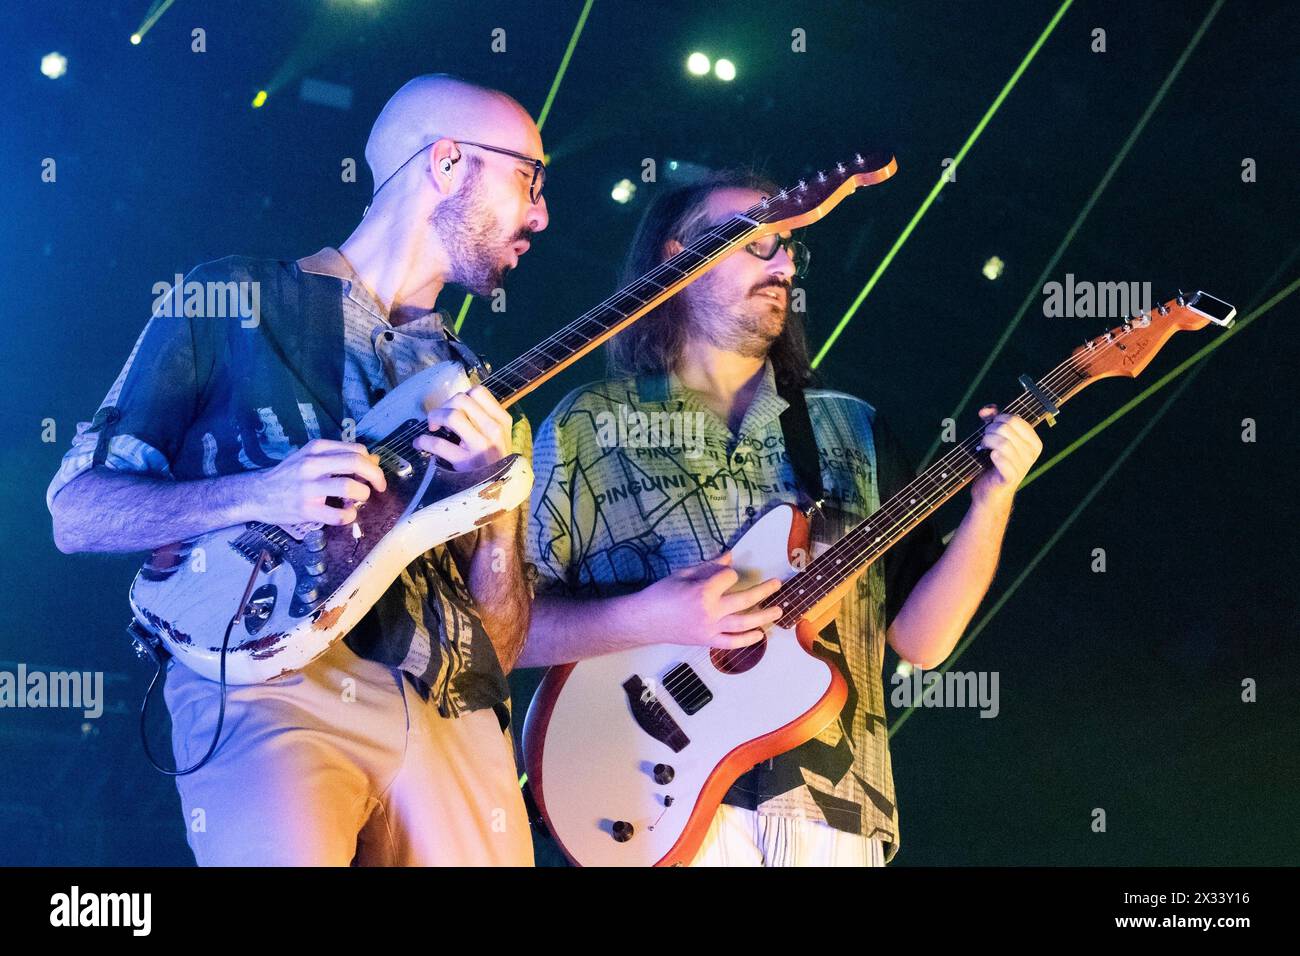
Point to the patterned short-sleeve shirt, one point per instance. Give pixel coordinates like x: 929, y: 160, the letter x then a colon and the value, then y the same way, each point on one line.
x: 617, y: 506
x: 185, y: 418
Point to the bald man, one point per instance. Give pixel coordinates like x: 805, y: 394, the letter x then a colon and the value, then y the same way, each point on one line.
x: 392, y: 748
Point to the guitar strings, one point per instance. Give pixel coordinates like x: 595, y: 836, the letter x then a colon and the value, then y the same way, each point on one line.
x: 390, y: 448
x: 742, y: 656
x: 388, y: 454
x: 592, y: 315
x: 964, y: 464
x: 758, y: 212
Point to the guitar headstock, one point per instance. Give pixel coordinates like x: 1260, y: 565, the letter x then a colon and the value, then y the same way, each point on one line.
x: 810, y: 199
x: 1129, y: 348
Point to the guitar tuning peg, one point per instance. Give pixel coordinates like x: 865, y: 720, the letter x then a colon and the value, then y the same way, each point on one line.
x: 1182, y: 299
x: 1162, y: 309
x: 802, y: 185
x: 781, y: 194
x: 839, y: 167
x: 821, y: 176
x: 857, y: 158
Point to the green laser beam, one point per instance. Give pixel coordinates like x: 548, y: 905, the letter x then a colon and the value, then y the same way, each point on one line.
x: 541, y: 119
x: 1155, y: 386
x: 1036, y: 288
x: 464, y: 308
x: 944, y: 178
x: 1097, y: 488
x: 564, y: 64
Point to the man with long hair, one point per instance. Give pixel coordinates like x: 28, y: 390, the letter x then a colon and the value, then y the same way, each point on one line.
x: 390, y: 748
x: 631, y: 543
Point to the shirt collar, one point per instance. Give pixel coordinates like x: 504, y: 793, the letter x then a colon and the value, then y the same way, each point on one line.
x: 765, y: 407
x: 330, y: 262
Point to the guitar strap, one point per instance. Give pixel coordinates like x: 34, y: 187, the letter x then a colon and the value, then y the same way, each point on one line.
x: 800, y: 443
x: 801, y: 447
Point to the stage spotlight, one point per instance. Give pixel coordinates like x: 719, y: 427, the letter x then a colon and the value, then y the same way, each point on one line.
x: 135, y: 39
x: 993, y: 268
x: 698, y: 64
x: 623, y: 191
x: 54, y: 65
x: 259, y: 99
x: 725, y: 70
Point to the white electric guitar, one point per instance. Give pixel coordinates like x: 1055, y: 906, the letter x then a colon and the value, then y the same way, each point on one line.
x: 630, y: 753
x: 201, y: 599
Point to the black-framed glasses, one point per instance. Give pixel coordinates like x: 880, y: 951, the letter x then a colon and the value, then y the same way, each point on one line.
x: 534, y: 187
x: 539, y: 168
x: 766, y: 247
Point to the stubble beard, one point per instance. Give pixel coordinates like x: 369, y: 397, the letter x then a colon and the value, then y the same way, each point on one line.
x: 472, y: 236
x: 746, y: 326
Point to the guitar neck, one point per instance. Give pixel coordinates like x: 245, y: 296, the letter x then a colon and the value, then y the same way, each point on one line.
x: 515, y: 380
x: 815, y: 590
x: 788, y: 209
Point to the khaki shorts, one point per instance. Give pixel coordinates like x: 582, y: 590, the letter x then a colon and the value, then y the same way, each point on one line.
x: 343, y: 763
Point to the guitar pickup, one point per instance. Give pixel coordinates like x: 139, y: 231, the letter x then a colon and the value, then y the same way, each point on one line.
x: 685, y: 687
x: 651, y: 716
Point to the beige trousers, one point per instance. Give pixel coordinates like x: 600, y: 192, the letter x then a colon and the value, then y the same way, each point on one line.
x: 343, y: 763
x: 740, y: 837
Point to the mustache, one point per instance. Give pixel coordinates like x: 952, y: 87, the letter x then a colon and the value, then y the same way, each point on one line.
x: 773, y: 282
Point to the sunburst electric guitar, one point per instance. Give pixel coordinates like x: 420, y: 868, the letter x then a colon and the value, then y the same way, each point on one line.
x: 314, y: 582
x: 630, y: 753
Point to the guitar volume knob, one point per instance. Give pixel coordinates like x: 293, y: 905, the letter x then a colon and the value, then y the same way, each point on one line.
x: 663, y: 773
x: 623, y: 831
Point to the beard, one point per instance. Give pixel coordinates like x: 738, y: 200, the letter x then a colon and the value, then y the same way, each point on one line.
x: 473, y: 237
x: 734, y: 320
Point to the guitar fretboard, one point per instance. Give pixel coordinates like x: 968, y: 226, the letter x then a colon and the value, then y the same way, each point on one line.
x: 511, y: 382
x: 919, y: 499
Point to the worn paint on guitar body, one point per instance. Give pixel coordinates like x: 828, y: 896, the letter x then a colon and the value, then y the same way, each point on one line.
x: 187, y: 596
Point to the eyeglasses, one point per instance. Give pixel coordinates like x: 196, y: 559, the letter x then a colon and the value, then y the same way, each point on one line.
x: 766, y: 247
x: 539, y: 168
x: 534, y: 186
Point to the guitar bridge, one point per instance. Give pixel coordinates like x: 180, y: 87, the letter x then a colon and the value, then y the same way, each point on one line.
x: 252, y: 543
x: 651, y: 716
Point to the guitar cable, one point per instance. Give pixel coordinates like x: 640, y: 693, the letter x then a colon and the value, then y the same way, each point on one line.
x: 151, y: 645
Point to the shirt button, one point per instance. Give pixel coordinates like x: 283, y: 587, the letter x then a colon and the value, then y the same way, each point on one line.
x: 750, y: 512
x: 380, y: 393
x: 740, y: 459
x: 388, y: 336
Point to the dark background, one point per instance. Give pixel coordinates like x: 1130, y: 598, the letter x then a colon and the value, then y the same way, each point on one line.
x: 1118, y: 690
